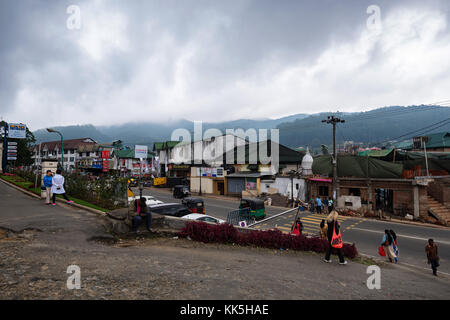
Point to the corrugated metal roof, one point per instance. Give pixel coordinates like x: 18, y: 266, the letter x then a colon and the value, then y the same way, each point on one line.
x: 376, y: 153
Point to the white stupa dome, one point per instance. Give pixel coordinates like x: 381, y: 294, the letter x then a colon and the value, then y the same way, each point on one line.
x: 307, y: 161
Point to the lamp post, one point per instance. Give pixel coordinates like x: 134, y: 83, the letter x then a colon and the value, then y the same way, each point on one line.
x: 62, y: 146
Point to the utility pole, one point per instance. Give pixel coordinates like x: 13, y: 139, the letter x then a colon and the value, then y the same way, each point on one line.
x: 334, y: 121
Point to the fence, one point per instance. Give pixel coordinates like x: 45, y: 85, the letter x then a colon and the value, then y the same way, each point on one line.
x: 234, y: 217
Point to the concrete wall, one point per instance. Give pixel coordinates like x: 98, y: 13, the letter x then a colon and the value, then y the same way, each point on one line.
x: 344, y: 202
x: 207, y: 184
x: 283, y: 185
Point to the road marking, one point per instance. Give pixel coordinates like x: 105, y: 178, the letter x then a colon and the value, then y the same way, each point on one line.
x: 404, y: 236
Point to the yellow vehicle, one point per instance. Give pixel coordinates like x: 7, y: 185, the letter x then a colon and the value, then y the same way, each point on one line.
x: 159, y: 181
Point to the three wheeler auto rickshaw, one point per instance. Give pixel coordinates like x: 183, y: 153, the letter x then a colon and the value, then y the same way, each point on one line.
x: 195, y: 205
x: 255, y: 206
x: 181, y: 191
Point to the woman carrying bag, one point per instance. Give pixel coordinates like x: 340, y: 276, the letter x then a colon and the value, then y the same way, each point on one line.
x: 334, y: 238
x: 387, y: 243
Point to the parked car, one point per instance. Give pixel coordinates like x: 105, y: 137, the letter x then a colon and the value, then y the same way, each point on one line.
x: 170, y: 209
x: 203, y: 217
x: 149, y: 200
x: 148, y: 183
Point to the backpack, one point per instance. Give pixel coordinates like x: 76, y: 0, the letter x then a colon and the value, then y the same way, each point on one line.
x: 336, y: 240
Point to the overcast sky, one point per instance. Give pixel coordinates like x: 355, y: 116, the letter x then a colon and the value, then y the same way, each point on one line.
x: 217, y: 60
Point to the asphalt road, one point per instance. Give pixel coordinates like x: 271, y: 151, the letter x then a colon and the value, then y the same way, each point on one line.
x: 365, y: 233
x: 34, y: 264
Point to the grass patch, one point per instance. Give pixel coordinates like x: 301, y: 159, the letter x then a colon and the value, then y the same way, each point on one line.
x: 85, y: 203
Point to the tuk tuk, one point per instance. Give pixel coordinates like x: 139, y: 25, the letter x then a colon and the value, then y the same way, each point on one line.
x: 256, y: 206
x: 195, y: 205
x: 181, y: 191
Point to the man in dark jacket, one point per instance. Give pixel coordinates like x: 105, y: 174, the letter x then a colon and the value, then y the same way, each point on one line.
x: 432, y: 254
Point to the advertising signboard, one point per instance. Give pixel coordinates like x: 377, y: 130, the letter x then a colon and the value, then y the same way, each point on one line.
x: 17, y: 130
x: 140, y: 152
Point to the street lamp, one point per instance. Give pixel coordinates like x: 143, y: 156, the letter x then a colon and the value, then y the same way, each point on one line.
x: 62, y: 146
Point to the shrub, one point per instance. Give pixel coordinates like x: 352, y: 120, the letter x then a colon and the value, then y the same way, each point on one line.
x: 274, y: 239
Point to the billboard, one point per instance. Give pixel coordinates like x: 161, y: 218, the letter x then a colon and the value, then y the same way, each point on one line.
x: 140, y: 152
x: 17, y: 131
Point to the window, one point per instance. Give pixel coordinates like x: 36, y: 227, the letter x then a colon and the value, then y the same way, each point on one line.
x: 354, y: 192
x: 72, y: 159
x: 208, y: 219
x: 323, y: 191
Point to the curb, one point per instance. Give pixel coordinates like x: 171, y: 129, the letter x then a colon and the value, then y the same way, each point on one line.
x: 29, y: 193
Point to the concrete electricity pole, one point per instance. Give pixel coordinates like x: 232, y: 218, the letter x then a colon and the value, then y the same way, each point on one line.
x: 333, y: 120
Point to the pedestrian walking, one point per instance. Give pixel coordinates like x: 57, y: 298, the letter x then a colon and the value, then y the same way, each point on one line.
x: 58, y: 187
x: 394, y: 244
x: 297, y: 227
x: 48, y: 186
x: 330, y: 205
x: 323, y: 229
x: 387, y: 243
x: 432, y: 255
x: 319, y: 205
x: 142, y: 212
x: 334, y: 238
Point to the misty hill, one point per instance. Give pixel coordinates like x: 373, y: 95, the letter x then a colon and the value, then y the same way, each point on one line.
x: 71, y: 132
x: 372, y: 127
x: 146, y: 133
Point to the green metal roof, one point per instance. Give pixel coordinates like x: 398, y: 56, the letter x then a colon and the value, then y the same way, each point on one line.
x: 158, y: 146
x: 435, y: 140
x: 129, y: 153
x: 438, y: 140
x: 164, y: 145
x: 376, y: 153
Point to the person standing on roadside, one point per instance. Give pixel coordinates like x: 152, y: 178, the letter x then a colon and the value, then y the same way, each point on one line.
x: 432, y: 254
x: 319, y: 205
x: 333, y: 225
x: 48, y: 186
x: 58, y: 187
x: 330, y: 204
x: 297, y: 227
x: 311, y: 205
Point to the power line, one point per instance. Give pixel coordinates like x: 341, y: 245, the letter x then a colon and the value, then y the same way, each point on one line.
x: 415, y: 132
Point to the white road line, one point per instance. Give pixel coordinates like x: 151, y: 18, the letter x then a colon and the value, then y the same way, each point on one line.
x: 404, y: 236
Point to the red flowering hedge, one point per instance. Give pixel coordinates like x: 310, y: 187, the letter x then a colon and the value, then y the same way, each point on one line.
x: 275, y: 239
